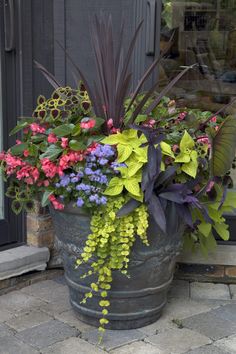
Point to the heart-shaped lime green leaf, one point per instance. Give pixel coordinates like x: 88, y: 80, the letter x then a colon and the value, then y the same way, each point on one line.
x: 187, y: 142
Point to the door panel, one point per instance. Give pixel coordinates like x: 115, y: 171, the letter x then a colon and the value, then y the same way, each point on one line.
x: 10, y: 226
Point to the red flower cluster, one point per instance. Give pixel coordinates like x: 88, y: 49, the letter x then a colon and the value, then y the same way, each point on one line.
x: 57, y: 205
x: 37, y: 129
x: 22, y: 169
x: 87, y: 123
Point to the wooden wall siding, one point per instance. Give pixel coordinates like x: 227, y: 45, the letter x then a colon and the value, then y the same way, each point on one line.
x: 34, y: 41
x: 71, y: 29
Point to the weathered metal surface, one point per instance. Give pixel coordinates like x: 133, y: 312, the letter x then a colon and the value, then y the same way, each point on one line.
x: 135, y: 301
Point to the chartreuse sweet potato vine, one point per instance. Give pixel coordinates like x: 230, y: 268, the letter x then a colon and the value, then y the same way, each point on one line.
x: 110, y: 241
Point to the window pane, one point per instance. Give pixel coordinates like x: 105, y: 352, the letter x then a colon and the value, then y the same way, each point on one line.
x: 202, y: 32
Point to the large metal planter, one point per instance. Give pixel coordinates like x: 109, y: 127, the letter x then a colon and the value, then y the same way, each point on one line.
x: 135, y: 301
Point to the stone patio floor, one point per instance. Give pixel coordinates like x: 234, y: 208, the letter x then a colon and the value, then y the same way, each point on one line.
x: 200, y: 318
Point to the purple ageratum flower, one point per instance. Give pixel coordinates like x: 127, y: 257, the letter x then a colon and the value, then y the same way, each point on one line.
x: 57, y: 185
x: 83, y: 187
x: 105, y: 151
x: 103, y: 200
x: 102, y: 161
x: 65, y: 180
x: 79, y: 202
x: 75, y: 179
x: 92, y: 198
x: 88, y: 171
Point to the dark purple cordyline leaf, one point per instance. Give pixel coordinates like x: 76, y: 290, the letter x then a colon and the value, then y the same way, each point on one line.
x: 167, y: 89
x: 157, y: 212
x: 154, y: 161
x: 148, y: 72
x: 50, y: 77
x: 172, y: 196
x: 128, y: 207
x: 141, y: 104
x: 165, y: 176
x: 190, y: 199
x: 184, y: 212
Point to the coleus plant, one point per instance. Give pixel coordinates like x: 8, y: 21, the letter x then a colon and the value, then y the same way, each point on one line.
x: 123, y: 157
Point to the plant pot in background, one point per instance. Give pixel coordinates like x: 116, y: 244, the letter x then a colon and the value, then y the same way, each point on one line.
x: 135, y: 301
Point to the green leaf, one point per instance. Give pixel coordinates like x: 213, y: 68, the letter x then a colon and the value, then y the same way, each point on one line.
x: 205, y: 228
x: 77, y: 145
x: 183, y: 158
x: 115, y: 187
x: 38, y: 138
x: 141, y: 154
x: 63, y: 130
x: 222, y: 230
x: 19, y: 149
x: 166, y: 149
x: 45, y: 200
x: 124, y: 152
x: 133, y: 168
x: 190, y: 168
x: 77, y: 130
x: 52, y: 152
x: 16, y: 206
x: 133, y: 186
x: 140, y: 118
x: 186, y: 142
x: 113, y: 139
x: 99, y: 122
x: 223, y: 147
x: 18, y: 127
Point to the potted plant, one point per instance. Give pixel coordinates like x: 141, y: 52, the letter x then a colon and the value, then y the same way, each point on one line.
x: 129, y: 177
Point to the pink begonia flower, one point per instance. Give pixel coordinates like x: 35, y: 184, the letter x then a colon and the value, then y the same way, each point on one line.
x: 49, y: 168
x: 204, y: 140
x: 52, y: 138
x: 64, y: 143
x: 182, y: 116
x: 46, y: 183
x: 26, y: 153
x: 18, y: 142
x: 36, y: 128
x: 210, y: 186
x: 214, y: 119
x: 110, y: 123
x: 115, y: 130
x: 87, y: 123
x: 2, y: 155
x: 29, y: 173
x: 149, y: 123
x: 91, y: 147
x: 56, y: 204
x: 26, y: 130
x: 68, y: 159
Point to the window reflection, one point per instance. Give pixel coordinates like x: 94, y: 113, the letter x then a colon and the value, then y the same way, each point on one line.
x: 202, y: 32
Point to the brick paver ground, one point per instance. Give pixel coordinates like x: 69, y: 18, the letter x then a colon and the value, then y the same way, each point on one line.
x: 200, y: 318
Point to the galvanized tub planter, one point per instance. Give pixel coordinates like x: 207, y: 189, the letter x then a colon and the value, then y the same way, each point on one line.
x: 137, y: 300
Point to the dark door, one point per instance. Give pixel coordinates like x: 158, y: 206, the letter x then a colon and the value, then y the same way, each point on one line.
x: 11, y: 227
